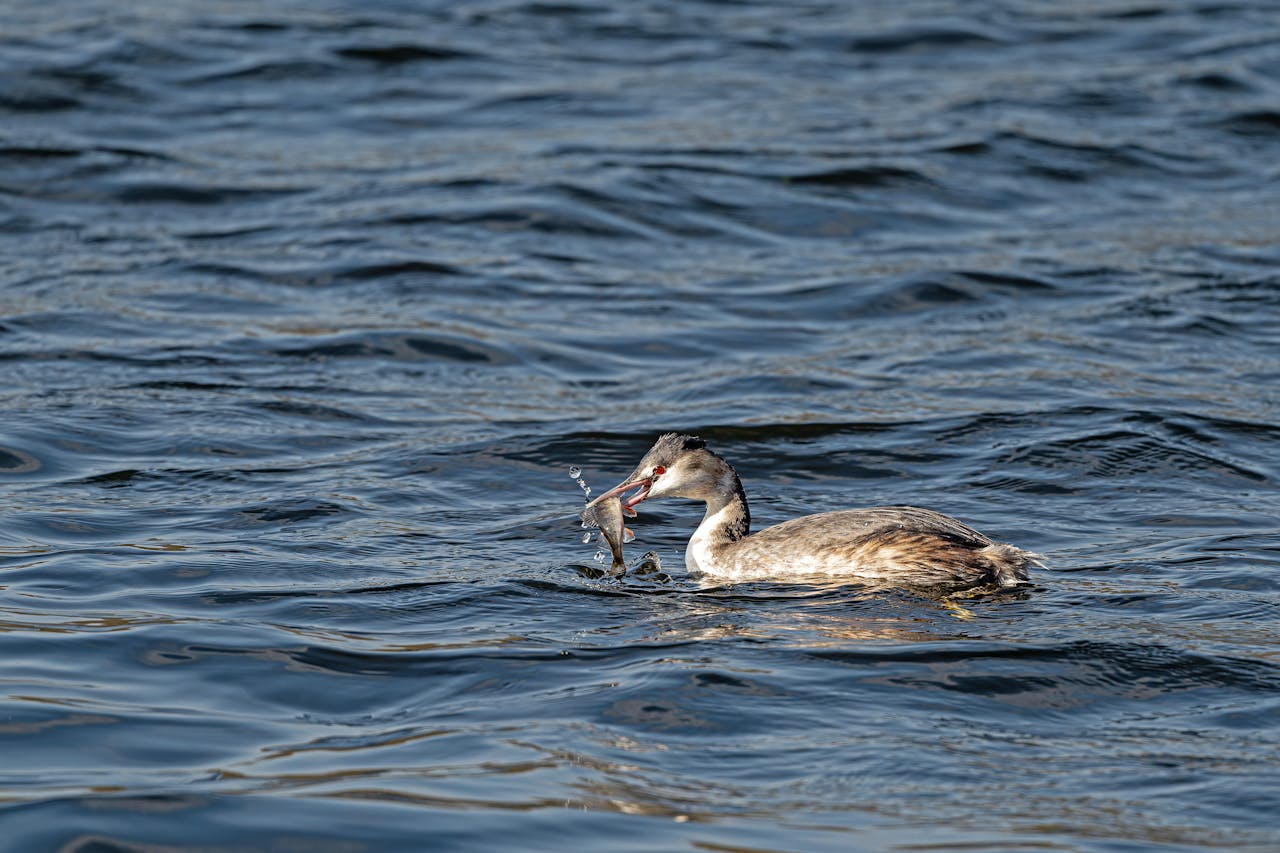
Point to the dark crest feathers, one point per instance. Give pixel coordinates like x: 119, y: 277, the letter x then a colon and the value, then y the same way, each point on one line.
x: 672, y: 443
x: 692, y: 442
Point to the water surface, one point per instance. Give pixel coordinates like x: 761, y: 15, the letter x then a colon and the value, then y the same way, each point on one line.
x: 306, y: 310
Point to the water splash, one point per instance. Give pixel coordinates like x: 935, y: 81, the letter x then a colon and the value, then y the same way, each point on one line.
x: 599, y: 557
x: 575, y: 472
x: 586, y: 537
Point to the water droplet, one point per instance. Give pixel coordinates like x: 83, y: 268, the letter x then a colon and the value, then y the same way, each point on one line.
x: 586, y: 537
x: 575, y: 472
x: 599, y: 557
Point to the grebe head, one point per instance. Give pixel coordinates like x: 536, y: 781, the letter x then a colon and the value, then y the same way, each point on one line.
x: 676, y: 466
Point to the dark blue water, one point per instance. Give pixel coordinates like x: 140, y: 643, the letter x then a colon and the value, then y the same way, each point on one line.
x: 307, y: 308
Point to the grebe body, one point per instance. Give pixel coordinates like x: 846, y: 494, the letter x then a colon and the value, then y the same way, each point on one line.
x: 893, y: 544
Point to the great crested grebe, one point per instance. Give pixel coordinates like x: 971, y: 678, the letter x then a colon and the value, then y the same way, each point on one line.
x: 893, y: 544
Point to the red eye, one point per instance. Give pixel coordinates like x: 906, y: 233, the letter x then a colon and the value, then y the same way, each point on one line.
x: 658, y: 469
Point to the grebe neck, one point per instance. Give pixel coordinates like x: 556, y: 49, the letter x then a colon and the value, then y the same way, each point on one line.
x: 727, y: 520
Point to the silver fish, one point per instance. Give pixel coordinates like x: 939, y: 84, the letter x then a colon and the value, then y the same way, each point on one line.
x: 607, y: 515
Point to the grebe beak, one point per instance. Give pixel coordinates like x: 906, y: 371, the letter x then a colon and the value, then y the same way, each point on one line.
x: 644, y: 484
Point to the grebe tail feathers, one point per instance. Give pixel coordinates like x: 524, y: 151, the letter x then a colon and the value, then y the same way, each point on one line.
x: 1007, y: 565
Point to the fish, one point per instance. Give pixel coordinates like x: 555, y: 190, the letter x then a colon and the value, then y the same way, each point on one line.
x: 607, y: 514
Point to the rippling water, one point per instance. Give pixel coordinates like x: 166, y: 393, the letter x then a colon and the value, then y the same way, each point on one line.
x: 307, y: 309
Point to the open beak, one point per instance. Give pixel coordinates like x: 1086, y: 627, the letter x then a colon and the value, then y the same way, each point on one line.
x: 643, y: 484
